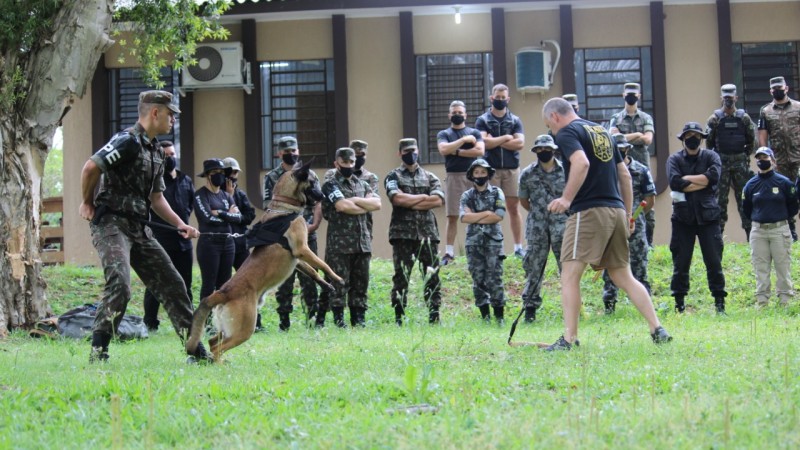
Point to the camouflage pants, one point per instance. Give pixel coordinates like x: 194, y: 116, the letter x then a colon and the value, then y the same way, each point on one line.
x: 787, y: 168
x: 639, y: 257
x: 485, y: 264
x: 308, y: 287
x: 123, y: 244
x: 404, y: 252
x: 354, y: 270
x: 735, y: 171
x: 536, y: 260
x: 643, y: 156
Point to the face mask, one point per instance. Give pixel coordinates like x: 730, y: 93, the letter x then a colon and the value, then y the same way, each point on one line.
x: 233, y: 180
x: 631, y: 99
x: 360, y: 160
x: 218, y: 179
x: 692, y: 143
x: 457, y: 119
x: 764, y: 164
x: 346, y: 172
x: 544, y: 156
x: 480, y: 181
x: 409, y: 158
x: 728, y: 102
x: 499, y: 104
x: 290, y: 158
x: 779, y: 94
x: 169, y: 164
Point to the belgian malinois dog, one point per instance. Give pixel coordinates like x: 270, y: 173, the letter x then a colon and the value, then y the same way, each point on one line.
x: 235, y: 304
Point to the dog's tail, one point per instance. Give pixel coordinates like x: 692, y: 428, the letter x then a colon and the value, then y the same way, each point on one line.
x: 198, y: 325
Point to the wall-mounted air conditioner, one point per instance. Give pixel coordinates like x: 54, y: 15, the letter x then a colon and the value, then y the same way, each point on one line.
x: 219, y: 65
x: 535, y: 68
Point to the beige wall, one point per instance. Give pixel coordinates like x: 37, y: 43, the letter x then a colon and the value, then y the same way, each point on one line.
x: 373, y: 51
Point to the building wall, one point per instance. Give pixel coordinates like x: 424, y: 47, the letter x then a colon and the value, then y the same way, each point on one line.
x: 375, y: 96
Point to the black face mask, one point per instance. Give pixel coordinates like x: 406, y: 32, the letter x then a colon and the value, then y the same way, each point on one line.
x: 290, y: 158
x: 360, y: 160
x: 480, y: 181
x: 218, y: 179
x: 631, y: 99
x: 169, y: 164
x: 457, y: 119
x: 499, y: 104
x: 409, y: 158
x: 764, y: 164
x: 544, y: 156
x: 728, y: 102
x: 692, y: 143
x: 346, y: 172
x: 233, y: 180
x: 778, y: 94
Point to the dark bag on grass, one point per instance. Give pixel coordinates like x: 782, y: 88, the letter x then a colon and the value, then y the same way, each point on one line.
x: 77, y: 323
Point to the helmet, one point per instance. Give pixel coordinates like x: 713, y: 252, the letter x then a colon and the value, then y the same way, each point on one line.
x: 480, y: 162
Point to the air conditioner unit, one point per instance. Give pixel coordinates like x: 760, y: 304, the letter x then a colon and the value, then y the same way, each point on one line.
x: 534, y: 68
x: 218, y: 65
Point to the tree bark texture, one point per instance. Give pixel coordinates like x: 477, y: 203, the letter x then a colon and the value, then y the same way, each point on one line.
x: 57, y: 70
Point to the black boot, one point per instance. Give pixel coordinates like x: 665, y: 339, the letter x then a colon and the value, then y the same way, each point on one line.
x: 747, y: 232
x: 338, y: 317
x: 498, y: 314
x: 320, y: 318
x: 259, y: 326
x: 610, y: 305
x: 433, y: 316
x: 485, y: 313
x: 399, y: 312
x: 719, y: 304
x: 679, y: 305
x: 357, y: 316
x: 793, y: 230
x: 100, y: 341
x: 200, y: 355
x: 530, y: 314
x: 285, y: 323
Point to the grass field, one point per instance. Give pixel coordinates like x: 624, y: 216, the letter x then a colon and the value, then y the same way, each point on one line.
x: 724, y: 382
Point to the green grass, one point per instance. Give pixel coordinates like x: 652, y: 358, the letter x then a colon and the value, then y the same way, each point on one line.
x: 724, y: 382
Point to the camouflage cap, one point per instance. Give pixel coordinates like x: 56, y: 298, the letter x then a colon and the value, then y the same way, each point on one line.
x: 359, y: 145
x: 346, y: 153
x: 407, y: 143
x: 765, y: 151
x: 572, y: 99
x: 287, y: 143
x: 621, y: 141
x: 776, y: 82
x: 544, y: 140
x: 631, y: 87
x: 159, y: 98
x: 728, y: 90
x: 692, y: 127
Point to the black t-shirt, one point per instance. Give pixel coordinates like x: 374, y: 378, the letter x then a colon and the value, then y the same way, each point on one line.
x: 601, y: 187
x: 453, y: 163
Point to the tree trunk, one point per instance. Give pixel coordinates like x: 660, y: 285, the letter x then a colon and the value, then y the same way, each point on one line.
x: 57, y: 70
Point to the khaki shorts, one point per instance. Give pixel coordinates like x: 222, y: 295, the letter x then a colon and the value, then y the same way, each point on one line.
x: 455, y: 184
x: 597, y: 236
x: 508, y: 181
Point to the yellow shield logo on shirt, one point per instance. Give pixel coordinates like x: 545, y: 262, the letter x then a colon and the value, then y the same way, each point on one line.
x: 600, y: 142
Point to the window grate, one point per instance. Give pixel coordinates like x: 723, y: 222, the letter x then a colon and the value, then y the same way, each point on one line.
x: 755, y: 64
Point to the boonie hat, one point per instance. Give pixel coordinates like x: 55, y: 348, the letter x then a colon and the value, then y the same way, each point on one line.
x: 544, y: 140
x: 346, y: 153
x: 631, y: 87
x: 480, y: 162
x: 287, y: 143
x: 776, y: 82
x: 160, y: 98
x: 211, y: 164
x: 728, y: 90
x: 692, y: 126
x: 765, y: 151
x: 407, y: 143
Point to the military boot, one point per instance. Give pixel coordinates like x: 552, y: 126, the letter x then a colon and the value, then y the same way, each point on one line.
x: 486, y: 313
x: 99, y: 352
x: 338, y: 317
x: 433, y: 316
x: 399, y: 312
x: 357, y: 316
x: 747, y: 233
x: 679, y: 304
x: 285, y: 323
x: 793, y: 230
x: 259, y: 326
x: 719, y: 305
x: 610, y: 305
x: 320, y: 318
x: 530, y: 314
x: 498, y: 314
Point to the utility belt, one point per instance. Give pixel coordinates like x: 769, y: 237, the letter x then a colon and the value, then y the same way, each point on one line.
x: 770, y: 226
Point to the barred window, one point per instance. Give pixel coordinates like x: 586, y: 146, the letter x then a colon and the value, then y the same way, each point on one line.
x: 442, y: 79
x: 297, y: 100
x: 754, y: 65
x: 125, y: 86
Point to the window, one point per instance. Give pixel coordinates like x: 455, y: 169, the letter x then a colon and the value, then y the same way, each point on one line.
x: 297, y: 100
x: 442, y: 79
x: 755, y: 64
x: 600, y: 74
x: 125, y: 86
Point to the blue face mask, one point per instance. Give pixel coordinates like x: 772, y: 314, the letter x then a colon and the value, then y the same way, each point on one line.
x: 409, y: 158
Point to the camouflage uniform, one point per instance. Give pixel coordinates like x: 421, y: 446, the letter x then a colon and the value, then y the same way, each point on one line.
x: 414, y: 234
x: 643, y: 187
x: 308, y: 287
x: 782, y: 123
x: 484, y: 244
x: 734, y: 146
x: 363, y: 175
x: 348, y: 247
x: 133, y: 168
x: 641, y: 122
x: 543, y: 230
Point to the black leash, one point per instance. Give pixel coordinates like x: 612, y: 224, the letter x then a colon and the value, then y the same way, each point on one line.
x: 102, y: 210
x: 522, y: 308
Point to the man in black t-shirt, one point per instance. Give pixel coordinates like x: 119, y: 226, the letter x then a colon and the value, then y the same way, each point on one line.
x: 598, y: 198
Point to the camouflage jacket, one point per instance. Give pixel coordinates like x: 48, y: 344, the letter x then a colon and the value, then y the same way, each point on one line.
x: 271, y: 179
x: 132, y: 168
x: 641, y: 122
x: 643, y: 187
x: 347, y: 233
x: 540, y: 188
x: 491, y: 199
x: 409, y: 223
x: 364, y: 175
x: 782, y: 123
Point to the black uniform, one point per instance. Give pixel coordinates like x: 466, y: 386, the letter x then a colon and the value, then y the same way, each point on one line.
x: 248, y: 212
x: 214, y: 252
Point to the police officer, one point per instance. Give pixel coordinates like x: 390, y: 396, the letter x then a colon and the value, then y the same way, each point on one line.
x: 638, y: 128
x: 348, y: 248
x: 731, y: 135
x: 779, y: 128
x: 289, y: 154
x: 248, y: 212
x: 179, y: 193
x: 130, y: 172
x: 413, y: 231
x: 770, y: 199
x: 693, y: 177
x: 644, y: 190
